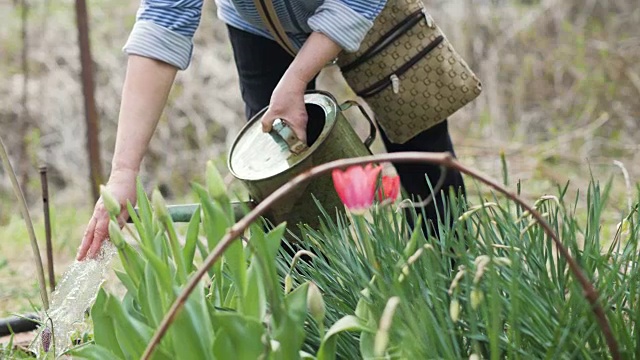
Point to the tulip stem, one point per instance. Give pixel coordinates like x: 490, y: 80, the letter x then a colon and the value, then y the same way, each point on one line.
x: 443, y: 159
x: 364, y: 239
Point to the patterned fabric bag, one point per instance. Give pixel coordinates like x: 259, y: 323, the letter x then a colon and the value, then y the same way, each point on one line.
x: 406, y: 69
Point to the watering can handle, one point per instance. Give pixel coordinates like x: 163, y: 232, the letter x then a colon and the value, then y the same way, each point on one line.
x: 372, y: 128
x: 285, y: 136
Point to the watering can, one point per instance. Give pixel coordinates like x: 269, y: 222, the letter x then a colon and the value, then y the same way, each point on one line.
x: 263, y: 162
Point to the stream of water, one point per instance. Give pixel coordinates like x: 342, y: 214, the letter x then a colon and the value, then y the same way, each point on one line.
x: 73, y: 296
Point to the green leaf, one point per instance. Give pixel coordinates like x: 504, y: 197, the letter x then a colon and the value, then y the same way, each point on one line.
x: 10, y: 344
x: 215, y: 222
x: 296, y: 302
x: 93, y: 352
x: 217, y: 188
x: 290, y: 331
x: 103, y: 330
x: 266, y: 248
x: 215, y: 225
x: 192, y: 331
x: 133, y: 308
x: 230, y: 295
x: 132, y: 335
x: 161, y: 269
x: 274, y: 240
x: 144, y: 209
x: 143, y: 235
x: 234, y: 257
x: 348, y: 323
x: 142, y: 298
x: 412, y: 244
x: 189, y: 250
x: 364, y: 313
x: 152, y: 296
x: 240, y: 337
x: 126, y: 281
x: 132, y: 263
x: 255, y: 301
x: 177, y: 254
x: 306, y: 356
x: 367, y: 342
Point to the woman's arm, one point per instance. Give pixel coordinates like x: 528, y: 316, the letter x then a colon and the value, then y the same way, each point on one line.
x: 146, y: 88
x: 144, y: 96
x: 159, y: 45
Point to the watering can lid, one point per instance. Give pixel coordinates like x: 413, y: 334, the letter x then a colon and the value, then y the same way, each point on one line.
x: 256, y: 155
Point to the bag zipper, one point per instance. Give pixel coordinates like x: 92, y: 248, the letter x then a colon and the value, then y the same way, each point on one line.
x: 387, y: 39
x: 395, y: 76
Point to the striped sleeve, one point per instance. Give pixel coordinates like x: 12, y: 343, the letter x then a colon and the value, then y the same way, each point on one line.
x: 164, y: 30
x: 346, y: 21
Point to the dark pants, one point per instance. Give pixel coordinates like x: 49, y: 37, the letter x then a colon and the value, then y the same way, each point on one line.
x: 262, y: 62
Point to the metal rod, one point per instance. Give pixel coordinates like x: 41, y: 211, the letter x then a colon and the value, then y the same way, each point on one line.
x: 47, y: 227
x: 88, y: 92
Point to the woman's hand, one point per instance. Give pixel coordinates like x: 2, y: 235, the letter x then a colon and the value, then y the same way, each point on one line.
x: 287, y: 100
x: 287, y: 104
x: 122, y: 185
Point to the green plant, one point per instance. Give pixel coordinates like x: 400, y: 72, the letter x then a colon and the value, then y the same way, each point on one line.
x: 493, y: 284
x: 240, y: 312
x: 509, y: 294
x: 9, y: 351
x: 443, y: 159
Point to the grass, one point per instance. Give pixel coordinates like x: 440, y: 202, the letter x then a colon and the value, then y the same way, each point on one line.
x: 534, y: 308
x: 18, y: 284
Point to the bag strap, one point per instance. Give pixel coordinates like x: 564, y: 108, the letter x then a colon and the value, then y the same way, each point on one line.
x: 270, y: 18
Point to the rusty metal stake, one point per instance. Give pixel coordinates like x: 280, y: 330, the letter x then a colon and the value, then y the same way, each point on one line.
x: 47, y: 226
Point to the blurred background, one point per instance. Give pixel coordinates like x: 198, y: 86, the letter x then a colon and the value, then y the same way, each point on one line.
x: 561, y: 101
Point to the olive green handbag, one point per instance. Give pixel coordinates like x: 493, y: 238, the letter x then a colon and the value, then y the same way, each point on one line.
x: 406, y: 69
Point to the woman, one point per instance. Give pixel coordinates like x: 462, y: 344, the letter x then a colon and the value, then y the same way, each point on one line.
x: 160, y: 44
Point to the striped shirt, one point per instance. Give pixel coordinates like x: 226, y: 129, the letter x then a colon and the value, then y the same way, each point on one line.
x: 164, y: 29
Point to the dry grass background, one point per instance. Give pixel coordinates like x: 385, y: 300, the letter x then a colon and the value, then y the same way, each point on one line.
x: 561, y: 100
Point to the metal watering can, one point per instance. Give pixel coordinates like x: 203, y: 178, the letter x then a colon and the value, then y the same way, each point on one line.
x: 263, y: 162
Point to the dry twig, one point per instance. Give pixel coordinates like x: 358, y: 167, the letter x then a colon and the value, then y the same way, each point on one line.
x: 27, y: 219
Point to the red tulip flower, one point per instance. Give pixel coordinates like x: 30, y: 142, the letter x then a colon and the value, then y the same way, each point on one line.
x: 390, y: 188
x: 356, y: 186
